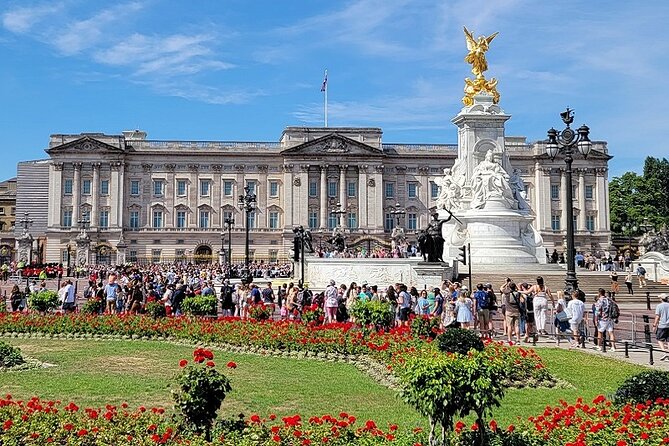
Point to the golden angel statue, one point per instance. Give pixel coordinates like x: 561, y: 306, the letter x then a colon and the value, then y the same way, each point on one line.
x: 477, y: 49
x: 476, y: 57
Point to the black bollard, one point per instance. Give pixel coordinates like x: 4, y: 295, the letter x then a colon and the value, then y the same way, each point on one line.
x: 646, y: 328
x: 650, y: 351
x: 647, y: 300
x: 627, y: 349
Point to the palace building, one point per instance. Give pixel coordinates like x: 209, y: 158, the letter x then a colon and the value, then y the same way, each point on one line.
x: 155, y: 200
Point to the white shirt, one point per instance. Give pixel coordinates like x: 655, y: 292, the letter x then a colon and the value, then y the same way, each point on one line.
x: 576, y: 309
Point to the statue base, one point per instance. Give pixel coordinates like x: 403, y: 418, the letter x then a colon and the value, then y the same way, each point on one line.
x: 497, y: 236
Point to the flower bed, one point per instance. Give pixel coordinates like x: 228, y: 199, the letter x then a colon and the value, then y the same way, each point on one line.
x: 54, y: 422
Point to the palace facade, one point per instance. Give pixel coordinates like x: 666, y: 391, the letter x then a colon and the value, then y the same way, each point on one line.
x: 165, y: 200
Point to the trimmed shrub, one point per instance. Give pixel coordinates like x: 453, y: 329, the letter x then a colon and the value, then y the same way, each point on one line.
x: 645, y: 386
x: 425, y: 326
x: 200, y: 305
x: 93, y: 306
x: 260, y: 312
x: 44, y: 301
x: 373, y: 313
x: 10, y: 355
x: 155, y: 309
x: 459, y: 340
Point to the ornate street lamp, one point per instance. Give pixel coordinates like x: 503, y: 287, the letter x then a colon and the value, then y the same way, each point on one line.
x: 228, y: 223
x: 630, y: 229
x: 247, y: 203
x: 302, y: 237
x: 338, y: 212
x: 398, y: 212
x: 566, y: 141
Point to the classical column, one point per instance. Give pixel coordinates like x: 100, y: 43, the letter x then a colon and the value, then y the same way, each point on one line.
x: 194, y: 196
x: 95, y: 196
x: 563, y: 200
x: 424, y: 194
x: 581, y: 199
x: 262, y: 192
x: 602, y: 200
x: 56, y: 186
x: 76, y: 192
x: 240, y: 222
x: 288, y: 196
x: 116, y: 195
x: 377, y: 205
x: 217, y: 195
x: 539, y: 198
x: 324, y: 197
x: 343, y: 193
x: 363, y: 210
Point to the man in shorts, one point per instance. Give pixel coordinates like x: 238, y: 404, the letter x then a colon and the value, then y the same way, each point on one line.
x: 404, y: 301
x: 661, y: 325
x: 603, y: 321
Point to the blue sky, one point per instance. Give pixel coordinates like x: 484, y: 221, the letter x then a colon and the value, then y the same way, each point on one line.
x: 243, y: 69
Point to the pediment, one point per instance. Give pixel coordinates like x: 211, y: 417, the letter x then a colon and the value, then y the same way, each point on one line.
x: 84, y: 145
x: 335, y: 145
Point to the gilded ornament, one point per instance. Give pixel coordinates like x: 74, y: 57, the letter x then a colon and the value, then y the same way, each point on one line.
x: 476, y: 57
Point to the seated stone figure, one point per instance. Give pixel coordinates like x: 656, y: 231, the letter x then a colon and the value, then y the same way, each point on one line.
x: 490, y: 181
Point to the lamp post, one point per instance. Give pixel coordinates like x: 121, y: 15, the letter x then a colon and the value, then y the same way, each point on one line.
x: 630, y: 229
x: 247, y: 203
x: 338, y: 212
x: 301, y: 235
x: 566, y: 141
x: 398, y: 212
x: 228, y: 224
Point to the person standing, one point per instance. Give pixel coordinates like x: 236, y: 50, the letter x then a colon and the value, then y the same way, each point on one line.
x: 111, y: 292
x: 512, y: 300
x: 69, y: 301
x: 628, y: 282
x: 331, y: 303
x: 464, y: 314
x: 604, y: 322
x: 661, y: 325
x: 641, y: 274
x: 482, y: 309
x: 540, y: 303
x: 615, y: 286
x: 576, y: 311
x: 404, y: 301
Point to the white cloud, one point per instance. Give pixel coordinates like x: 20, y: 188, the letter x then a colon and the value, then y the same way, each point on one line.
x: 22, y: 20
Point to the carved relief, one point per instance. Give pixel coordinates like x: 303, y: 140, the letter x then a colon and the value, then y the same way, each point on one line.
x: 193, y: 167
x: 240, y: 167
x: 57, y: 166
x: 297, y: 182
x: 304, y: 167
x: 371, y: 182
x: 217, y: 167
x: 287, y: 168
x: 170, y: 167
x: 116, y: 166
x: 146, y: 167
x: 263, y: 168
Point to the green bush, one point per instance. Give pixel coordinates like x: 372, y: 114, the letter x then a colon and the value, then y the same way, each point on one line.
x: 200, y: 305
x: 93, y: 306
x: 260, y: 312
x: 44, y: 301
x: 645, y: 386
x: 373, y: 313
x: 155, y: 309
x: 459, y: 340
x: 425, y: 326
x: 9, y: 355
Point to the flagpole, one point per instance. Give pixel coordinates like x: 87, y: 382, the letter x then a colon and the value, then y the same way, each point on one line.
x: 326, y: 98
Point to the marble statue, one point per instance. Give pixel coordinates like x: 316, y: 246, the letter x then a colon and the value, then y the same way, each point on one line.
x: 656, y: 242
x: 449, y: 191
x: 338, y: 239
x: 398, y: 239
x: 518, y: 188
x: 490, y: 180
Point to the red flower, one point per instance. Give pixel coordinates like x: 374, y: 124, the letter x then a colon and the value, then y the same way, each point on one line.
x: 459, y: 426
x: 255, y: 418
x: 68, y: 427
x: 7, y: 425
x: 231, y: 365
x: 210, y: 364
x: 183, y: 363
x: 493, y: 425
x: 276, y: 438
x: 82, y: 432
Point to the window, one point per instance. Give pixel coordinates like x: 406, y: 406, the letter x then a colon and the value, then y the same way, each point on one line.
x: 204, y: 219
x: 412, y: 189
x: 252, y: 187
x: 67, y: 218
x: 181, y: 188
x: 590, y: 222
x: 204, y: 188
x: 181, y: 219
x: 13, y: 211
x: 351, y: 189
x: 313, y: 219
x: 132, y: 255
x: 313, y: 189
x: 252, y: 219
x: 157, y: 187
x: 2, y: 211
x: 134, y: 219
x: 104, y: 187
x: 104, y: 219
x: 63, y: 256
x: 575, y: 222
x: 412, y: 221
x: 157, y: 219
x: 390, y: 190
x: 273, y: 255
x: 86, y: 187
x: 67, y: 187
x: 352, y: 220
x: 555, y: 192
x: 589, y: 192
x: 332, y: 189
x: 555, y: 222
x: 227, y: 188
x: 227, y: 215
x: 332, y: 221
x: 273, y: 220
x: 389, y: 222
x: 134, y: 187
x: 273, y: 188
x: 434, y: 190
x: 180, y: 254
x: 155, y: 255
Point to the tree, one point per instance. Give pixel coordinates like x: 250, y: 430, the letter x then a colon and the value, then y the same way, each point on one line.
x: 634, y: 199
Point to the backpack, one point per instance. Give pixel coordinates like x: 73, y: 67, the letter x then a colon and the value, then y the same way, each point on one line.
x: 613, y: 312
x: 641, y: 270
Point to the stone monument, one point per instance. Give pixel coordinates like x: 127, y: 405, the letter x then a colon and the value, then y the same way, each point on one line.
x: 482, y: 199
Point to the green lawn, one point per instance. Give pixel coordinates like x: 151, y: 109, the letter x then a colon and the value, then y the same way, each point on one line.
x: 93, y: 373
